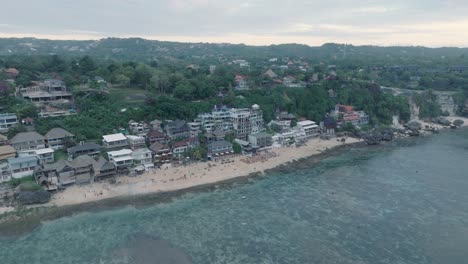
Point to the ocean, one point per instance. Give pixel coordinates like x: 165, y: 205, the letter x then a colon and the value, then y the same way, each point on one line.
x: 406, y: 202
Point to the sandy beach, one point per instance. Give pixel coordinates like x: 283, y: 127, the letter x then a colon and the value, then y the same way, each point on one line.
x: 178, y: 178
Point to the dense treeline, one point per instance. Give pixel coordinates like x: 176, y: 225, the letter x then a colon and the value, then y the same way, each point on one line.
x: 181, y: 87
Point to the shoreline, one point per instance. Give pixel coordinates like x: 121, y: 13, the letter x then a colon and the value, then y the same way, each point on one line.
x: 22, y: 220
x: 170, y: 179
x: 17, y: 221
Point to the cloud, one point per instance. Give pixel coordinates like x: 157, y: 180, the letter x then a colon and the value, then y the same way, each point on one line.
x: 248, y: 21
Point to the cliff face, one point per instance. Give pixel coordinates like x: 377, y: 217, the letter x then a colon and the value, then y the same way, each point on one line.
x: 446, y: 102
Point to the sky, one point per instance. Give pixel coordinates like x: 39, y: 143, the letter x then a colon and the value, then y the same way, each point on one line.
x: 432, y: 23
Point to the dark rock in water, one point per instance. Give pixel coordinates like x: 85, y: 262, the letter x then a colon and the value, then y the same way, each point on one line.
x: 145, y: 249
x: 376, y: 136
x: 387, y: 134
x: 33, y: 197
x: 458, y: 122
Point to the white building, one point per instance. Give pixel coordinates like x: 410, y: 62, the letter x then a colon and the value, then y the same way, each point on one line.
x: 23, y: 166
x: 136, y: 142
x: 121, y: 158
x: 7, y: 120
x: 143, y: 157
x: 310, y: 128
x: 43, y: 155
x: 114, y: 141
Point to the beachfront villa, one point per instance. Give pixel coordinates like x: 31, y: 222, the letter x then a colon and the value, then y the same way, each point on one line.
x: 161, y: 152
x: 219, y: 148
x: 122, y: 159
x: 143, y: 157
x: 310, y: 128
x: 22, y: 166
x: 261, y: 140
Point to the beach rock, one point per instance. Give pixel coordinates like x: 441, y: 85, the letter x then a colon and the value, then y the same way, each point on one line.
x: 458, y: 122
x: 414, y: 126
x: 443, y: 121
x: 32, y: 197
x: 376, y: 136
x: 387, y: 134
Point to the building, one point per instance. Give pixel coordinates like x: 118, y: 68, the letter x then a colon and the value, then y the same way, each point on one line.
x: 23, y: 166
x: 345, y: 114
x: 240, y: 83
x: 114, y: 141
x: 179, y: 149
x: 7, y: 120
x: 218, y: 118
x: 219, y: 148
x: 103, y: 169
x: 310, y: 128
x: 143, y: 157
x: 28, y: 141
x: 270, y: 74
x: 247, y: 121
x: 122, y: 159
x: 83, y: 169
x: 291, y: 82
x: 156, y: 136
x: 136, y: 142
x: 261, y: 140
x: 45, y: 155
x: 46, y: 91
x: 90, y: 149
x: 283, y: 121
x: 215, y: 135
x: 139, y: 129
x: 57, y: 138
x: 156, y: 125
x: 7, y: 152
x: 177, y: 129
x: 51, y: 176
x: 161, y: 153
x: 194, y: 128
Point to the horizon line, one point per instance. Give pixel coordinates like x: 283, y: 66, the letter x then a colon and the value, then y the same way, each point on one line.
x: 188, y: 41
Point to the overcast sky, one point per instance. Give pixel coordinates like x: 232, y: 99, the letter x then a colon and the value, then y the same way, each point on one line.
x: 258, y: 22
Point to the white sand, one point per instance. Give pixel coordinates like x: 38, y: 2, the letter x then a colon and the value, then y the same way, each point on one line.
x: 178, y: 178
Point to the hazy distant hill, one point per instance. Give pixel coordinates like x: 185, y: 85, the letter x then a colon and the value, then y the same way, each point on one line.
x: 144, y: 50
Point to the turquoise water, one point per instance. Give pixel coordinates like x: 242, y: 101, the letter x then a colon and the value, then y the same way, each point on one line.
x: 402, y: 204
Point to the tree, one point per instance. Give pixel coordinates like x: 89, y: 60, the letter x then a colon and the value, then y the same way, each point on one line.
x: 236, y: 147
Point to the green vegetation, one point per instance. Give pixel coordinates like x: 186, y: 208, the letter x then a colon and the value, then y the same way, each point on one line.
x: 29, y: 186
x: 145, y: 80
x: 17, y: 182
x: 428, y: 106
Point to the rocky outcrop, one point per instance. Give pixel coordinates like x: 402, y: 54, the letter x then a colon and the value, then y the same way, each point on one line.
x: 414, y: 125
x: 32, y: 197
x: 458, y: 122
x: 443, y: 121
x: 376, y: 136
